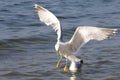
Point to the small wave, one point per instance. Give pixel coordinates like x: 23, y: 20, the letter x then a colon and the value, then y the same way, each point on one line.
x: 16, y: 74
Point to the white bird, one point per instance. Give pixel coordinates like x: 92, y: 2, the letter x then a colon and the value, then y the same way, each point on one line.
x: 81, y: 36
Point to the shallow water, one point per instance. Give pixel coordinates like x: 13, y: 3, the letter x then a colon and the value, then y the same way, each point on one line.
x: 27, y: 45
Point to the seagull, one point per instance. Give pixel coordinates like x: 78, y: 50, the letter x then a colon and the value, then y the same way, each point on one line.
x: 81, y: 36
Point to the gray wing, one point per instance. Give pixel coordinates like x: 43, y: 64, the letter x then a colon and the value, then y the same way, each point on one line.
x: 84, y: 34
x: 49, y: 19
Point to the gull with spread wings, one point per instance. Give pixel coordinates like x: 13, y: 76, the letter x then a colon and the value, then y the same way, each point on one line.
x: 81, y: 36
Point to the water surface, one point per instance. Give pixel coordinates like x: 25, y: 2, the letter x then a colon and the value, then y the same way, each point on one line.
x: 27, y: 45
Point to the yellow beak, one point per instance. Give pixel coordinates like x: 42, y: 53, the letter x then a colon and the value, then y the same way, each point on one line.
x: 57, y: 51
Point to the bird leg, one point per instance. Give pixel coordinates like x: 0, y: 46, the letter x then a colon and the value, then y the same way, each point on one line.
x: 58, y: 63
x: 65, y: 69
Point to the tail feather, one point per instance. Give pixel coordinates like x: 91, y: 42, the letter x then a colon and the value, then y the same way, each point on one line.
x: 73, y: 58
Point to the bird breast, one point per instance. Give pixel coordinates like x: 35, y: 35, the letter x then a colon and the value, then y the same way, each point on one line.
x: 64, y: 50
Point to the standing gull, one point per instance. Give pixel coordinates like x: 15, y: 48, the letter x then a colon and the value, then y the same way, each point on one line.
x: 81, y: 36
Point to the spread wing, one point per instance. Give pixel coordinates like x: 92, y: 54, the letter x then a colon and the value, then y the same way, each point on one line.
x: 84, y: 34
x: 49, y: 19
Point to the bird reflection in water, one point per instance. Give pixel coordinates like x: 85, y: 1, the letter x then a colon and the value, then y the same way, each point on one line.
x: 73, y: 77
x: 74, y: 73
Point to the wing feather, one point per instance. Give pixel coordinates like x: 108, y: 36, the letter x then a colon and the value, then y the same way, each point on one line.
x: 84, y: 34
x: 49, y: 19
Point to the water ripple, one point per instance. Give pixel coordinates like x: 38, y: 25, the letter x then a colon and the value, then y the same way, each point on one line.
x: 27, y: 45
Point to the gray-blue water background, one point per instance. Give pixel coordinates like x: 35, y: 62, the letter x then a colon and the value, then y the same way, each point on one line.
x: 27, y: 45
